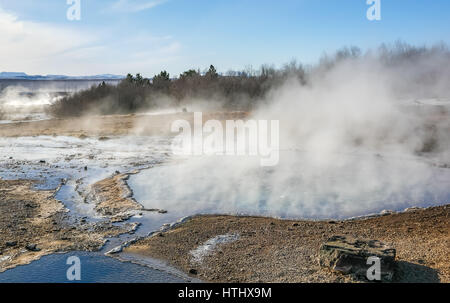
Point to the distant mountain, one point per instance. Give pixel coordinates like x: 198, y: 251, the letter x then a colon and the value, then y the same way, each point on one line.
x: 5, y: 75
x: 24, y: 76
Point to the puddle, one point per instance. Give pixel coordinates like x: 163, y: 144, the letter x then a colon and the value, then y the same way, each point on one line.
x: 95, y: 268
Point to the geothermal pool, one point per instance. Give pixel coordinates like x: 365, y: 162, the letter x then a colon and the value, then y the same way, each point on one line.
x: 346, y: 185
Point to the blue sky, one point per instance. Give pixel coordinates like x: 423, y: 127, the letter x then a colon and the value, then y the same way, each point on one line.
x: 121, y: 36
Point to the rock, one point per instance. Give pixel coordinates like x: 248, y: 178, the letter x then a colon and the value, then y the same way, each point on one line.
x: 32, y: 247
x: 412, y: 209
x: 115, y: 250
x: 11, y: 243
x: 162, y: 211
x: 386, y: 212
x: 193, y: 271
x: 349, y: 256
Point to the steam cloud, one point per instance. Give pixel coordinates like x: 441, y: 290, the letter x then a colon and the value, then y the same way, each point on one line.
x: 366, y: 133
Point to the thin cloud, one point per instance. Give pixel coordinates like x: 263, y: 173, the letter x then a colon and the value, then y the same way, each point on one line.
x: 26, y: 45
x: 44, y: 48
x: 133, y: 6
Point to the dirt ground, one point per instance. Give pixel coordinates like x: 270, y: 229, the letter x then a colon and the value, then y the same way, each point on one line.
x: 108, y: 125
x: 271, y: 250
x: 33, y: 224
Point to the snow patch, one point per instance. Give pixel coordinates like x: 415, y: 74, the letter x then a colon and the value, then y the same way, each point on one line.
x: 209, y: 246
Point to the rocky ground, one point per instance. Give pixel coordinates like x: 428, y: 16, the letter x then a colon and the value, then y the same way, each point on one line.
x: 113, y: 198
x: 33, y: 224
x: 272, y: 250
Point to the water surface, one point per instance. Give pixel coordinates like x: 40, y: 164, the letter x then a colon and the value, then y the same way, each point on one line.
x: 95, y: 268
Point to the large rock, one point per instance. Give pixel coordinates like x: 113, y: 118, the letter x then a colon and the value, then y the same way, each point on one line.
x: 349, y: 256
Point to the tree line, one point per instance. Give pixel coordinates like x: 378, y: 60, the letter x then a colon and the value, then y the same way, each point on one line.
x: 234, y: 90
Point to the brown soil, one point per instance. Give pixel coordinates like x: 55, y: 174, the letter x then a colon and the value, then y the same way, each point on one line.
x: 272, y: 250
x: 33, y: 224
x: 107, y: 125
x: 113, y: 197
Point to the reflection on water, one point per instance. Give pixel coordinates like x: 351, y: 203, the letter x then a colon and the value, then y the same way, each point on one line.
x: 95, y: 267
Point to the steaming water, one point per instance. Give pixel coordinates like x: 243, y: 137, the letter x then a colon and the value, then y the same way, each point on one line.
x: 356, y: 184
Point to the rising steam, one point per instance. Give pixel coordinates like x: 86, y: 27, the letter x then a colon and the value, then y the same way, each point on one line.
x: 360, y: 136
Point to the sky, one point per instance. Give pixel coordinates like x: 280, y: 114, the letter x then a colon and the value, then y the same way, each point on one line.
x: 147, y: 36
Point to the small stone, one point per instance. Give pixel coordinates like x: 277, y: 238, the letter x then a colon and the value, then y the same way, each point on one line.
x: 115, y: 250
x: 386, y: 212
x: 11, y: 243
x: 193, y: 271
x: 412, y: 209
x: 348, y: 255
x: 32, y: 247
